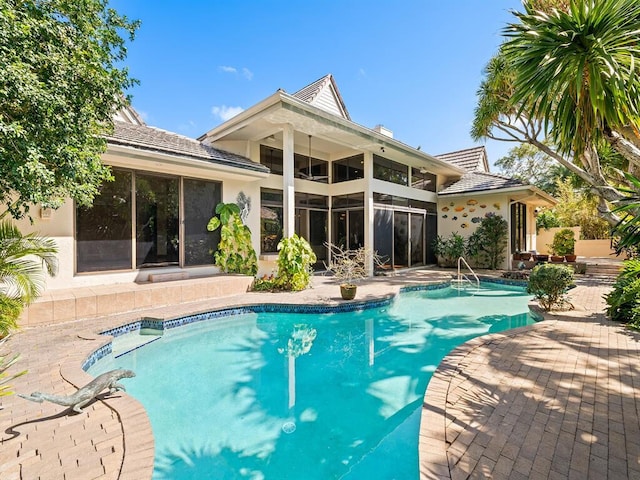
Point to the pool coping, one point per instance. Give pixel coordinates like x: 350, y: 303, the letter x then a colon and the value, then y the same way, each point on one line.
x: 139, y: 451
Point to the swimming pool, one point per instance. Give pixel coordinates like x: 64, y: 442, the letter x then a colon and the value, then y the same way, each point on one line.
x: 305, y: 396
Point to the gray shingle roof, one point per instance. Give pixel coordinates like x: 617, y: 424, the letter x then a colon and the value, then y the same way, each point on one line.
x: 471, y: 159
x: 162, y: 141
x: 478, y: 182
x: 311, y: 91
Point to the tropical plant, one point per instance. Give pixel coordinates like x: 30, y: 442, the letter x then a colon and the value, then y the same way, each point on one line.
x: 549, y: 283
x: 628, y: 230
x: 547, y: 219
x: 580, y: 67
x: 624, y: 300
x: 564, y: 242
x: 449, y: 249
x: 22, y: 258
x: 6, y: 362
x: 488, y: 244
x: 566, y: 80
x: 295, y: 257
x: 63, y: 77
x: 577, y: 208
x: 235, y: 253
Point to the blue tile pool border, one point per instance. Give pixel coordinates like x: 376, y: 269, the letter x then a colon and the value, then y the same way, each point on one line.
x: 149, y: 323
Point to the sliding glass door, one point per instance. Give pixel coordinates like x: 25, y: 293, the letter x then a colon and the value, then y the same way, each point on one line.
x: 135, y: 222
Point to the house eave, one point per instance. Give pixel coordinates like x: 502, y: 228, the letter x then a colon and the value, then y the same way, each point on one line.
x: 117, y: 154
x: 532, y: 193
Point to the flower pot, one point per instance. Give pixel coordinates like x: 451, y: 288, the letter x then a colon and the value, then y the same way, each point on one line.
x: 348, y: 291
x: 541, y: 258
x: 557, y: 259
x: 517, y: 256
x: 525, y: 256
x: 570, y: 258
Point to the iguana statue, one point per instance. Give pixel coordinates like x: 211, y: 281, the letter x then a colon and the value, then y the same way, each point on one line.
x: 87, y: 393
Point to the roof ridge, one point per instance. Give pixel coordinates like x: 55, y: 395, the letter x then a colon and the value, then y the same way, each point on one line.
x: 460, y: 151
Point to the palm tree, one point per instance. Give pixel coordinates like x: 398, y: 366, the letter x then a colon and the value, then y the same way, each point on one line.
x: 579, y: 71
x: 22, y: 279
x: 553, y: 85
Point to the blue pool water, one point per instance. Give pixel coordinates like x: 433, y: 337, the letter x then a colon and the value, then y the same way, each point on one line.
x: 305, y: 396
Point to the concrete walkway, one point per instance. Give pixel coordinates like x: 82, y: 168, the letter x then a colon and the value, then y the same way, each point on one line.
x: 525, y: 373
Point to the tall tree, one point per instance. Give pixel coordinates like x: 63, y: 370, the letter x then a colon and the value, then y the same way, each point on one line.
x: 60, y: 84
x: 564, y: 82
x: 577, y: 70
x: 531, y: 165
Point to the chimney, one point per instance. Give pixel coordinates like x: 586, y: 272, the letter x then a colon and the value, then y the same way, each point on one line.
x: 381, y: 129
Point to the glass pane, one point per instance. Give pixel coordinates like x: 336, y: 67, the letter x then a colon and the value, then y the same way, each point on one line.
x: 383, y: 235
x: 417, y: 239
x: 312, y: 169
x: 390, y: 171
x: 157, y: 220
x: 271, y: 224
x: 339, y: 229
x: 423, y: 180
x: 351, y: 168
x: 200, y: 200
x: 302, y: 223
x: 431, y: 234
x: 318, y: 235
x: 103, y: 232
x: 271, y: 158
x: 400, y: 239
x: 356, y: 229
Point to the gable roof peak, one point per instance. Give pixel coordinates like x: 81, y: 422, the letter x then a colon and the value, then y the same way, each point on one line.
x: 471, y: 159
x: 324, y: 94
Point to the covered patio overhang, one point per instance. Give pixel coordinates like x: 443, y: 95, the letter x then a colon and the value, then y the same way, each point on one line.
x: 333, y: 136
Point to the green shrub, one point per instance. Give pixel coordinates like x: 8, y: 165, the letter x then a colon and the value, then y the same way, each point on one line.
x: 235, y: 252
x: 488, y: 244
x: 295, y: 257
x: 548, y: 283
x: 624, y: 300
x: 564, y: 242
x: 449, y: 249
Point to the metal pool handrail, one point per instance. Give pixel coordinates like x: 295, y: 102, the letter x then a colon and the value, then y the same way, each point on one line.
x: 462, y: 276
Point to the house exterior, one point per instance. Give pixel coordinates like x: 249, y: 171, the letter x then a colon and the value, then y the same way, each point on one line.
x: 463, y: 202
x: 295, y: 163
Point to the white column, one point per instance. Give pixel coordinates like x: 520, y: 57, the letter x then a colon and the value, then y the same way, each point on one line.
x: 369, y: 213
x: 287, y: 182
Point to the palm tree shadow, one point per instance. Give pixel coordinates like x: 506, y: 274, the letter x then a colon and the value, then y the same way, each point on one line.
x: 190, y: 463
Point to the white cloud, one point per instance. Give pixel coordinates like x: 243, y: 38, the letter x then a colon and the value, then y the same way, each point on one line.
x: 248, y: 74
x: 244, y: 71
x: 225, y: 113
x: 362, y: 73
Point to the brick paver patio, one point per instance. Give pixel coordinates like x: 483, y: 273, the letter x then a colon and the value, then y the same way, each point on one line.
x: 558, y: 399
x: 554, y: 400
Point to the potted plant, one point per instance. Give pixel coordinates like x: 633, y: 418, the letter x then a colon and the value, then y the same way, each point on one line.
x: 563, y: 244
x: 349, y: 266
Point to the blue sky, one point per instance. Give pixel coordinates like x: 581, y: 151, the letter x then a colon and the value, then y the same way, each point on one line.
x: 413, y: 66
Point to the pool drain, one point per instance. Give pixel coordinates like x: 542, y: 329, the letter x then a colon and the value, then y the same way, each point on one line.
x: 289, y: 427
